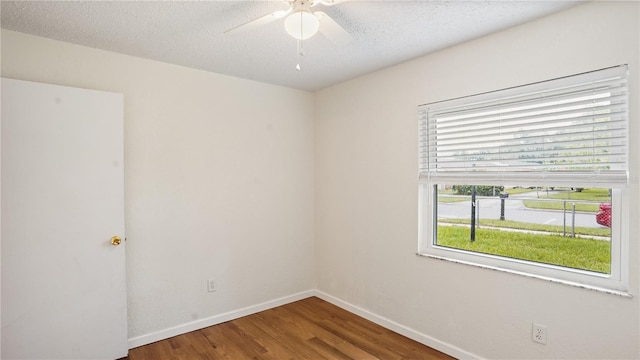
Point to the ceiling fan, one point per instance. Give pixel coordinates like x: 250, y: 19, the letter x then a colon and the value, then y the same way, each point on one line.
x: 301, y: 23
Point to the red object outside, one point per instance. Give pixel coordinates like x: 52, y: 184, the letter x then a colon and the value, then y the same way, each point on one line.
x: 603, y: 216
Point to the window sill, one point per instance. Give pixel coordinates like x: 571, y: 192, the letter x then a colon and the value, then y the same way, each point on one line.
x: 623, y: 294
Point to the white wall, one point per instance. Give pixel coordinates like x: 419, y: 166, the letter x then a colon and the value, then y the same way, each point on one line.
x: 220, y: 183
x: 367, y: 196
x: 218, y: 176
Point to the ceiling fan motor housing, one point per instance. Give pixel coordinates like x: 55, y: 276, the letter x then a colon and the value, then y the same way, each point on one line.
x: 301, y: 23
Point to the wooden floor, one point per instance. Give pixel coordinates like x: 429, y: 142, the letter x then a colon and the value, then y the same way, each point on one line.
x: 306, y: 329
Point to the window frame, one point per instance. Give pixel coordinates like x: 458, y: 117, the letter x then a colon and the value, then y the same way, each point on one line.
x: 617, y: 282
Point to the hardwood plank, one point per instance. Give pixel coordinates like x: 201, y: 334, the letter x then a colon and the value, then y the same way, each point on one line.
x: 224, y: 338
x: 277, y: 349
x: 305, y: 313
x: 307, y: 329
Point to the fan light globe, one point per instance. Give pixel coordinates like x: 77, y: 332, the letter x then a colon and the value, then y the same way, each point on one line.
x: 301, y: 25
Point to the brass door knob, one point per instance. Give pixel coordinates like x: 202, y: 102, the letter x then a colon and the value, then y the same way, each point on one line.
x: 115, y: 241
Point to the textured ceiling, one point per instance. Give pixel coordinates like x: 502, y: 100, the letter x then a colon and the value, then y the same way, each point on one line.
x: 192, y: 33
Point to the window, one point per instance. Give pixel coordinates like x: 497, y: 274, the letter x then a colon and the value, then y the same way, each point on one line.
x: 531, y: 179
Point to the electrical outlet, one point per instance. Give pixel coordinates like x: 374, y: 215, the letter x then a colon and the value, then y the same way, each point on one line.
x: 539, y: 334
x: 211, y: 285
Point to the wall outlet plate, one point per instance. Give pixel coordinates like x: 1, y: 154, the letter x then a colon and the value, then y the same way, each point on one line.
x: 539, y: 334
x: 211, y: 285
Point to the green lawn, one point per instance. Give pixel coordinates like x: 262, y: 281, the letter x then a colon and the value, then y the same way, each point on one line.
x: 596, y: 195
x: 519, y: 190
x: 557, y: 205
x: 555, y: 229
x: 600, y: 195
x: 451, y: 199
x: 586, y: 254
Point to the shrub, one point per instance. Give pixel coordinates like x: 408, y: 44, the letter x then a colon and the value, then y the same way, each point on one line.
x: 481, y: 190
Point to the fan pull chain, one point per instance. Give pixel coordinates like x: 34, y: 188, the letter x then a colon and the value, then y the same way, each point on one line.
x: 300, y: 47
x: 300, y: 54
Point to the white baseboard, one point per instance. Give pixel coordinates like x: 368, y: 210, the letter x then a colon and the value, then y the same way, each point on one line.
x: 214, y: 320
x: 235, y: 314
x: 400, y: 329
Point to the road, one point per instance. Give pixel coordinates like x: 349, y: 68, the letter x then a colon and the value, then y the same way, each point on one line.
x: 489, y: 208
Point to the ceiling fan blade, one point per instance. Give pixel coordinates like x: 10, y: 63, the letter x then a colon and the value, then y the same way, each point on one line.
x: 255, y: 23
x: 332, y: 30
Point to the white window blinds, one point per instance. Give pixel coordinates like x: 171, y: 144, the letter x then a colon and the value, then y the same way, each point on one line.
x: 567, y: 131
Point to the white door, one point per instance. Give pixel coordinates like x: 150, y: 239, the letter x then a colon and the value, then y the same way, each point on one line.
x: 63, y: 282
